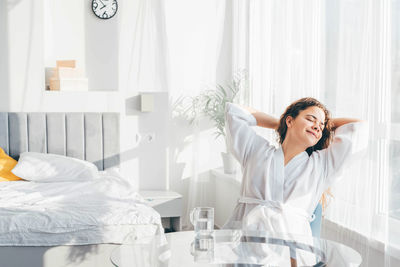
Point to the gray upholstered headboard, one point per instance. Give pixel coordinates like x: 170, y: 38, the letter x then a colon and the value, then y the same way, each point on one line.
x: 90, y: 136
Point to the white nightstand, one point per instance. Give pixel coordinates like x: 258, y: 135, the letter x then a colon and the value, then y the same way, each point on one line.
x: 168, y: 204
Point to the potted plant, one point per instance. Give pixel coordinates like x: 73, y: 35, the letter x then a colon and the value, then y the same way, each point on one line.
x: 211, y: 103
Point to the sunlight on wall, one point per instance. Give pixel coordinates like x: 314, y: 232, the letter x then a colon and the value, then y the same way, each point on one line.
x: 64, y: 35
x: 72, y: 31
x: 201, y: 154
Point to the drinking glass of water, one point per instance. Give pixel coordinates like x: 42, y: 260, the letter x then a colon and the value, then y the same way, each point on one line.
x: 202, y: 249
x: 202, y: 219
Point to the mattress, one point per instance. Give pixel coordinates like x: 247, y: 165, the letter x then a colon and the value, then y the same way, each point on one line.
x: 73, y: 213
x: 97, y: 235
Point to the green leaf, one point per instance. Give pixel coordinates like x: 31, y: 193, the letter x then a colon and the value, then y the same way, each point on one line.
x: 212, y: 101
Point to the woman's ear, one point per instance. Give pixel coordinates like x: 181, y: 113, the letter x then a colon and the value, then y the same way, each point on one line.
x: 289, y: 121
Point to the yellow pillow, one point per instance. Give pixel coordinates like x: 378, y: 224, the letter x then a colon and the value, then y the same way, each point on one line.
x: 7, y: 163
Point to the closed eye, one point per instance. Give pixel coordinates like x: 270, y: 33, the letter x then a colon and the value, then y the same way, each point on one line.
x: 312, y: 118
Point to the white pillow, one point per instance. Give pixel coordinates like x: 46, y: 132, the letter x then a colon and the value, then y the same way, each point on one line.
x: 40, y: 167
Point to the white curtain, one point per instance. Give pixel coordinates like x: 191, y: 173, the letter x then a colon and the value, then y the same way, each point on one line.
x: 282, y: 45
x: 340, y: 53
x: 143, y: 38
x: 394, y: 146
x: 198, y: 58
x: 363, y: 90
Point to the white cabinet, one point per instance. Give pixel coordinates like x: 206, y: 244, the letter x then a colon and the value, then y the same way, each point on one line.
x: 169, y: 204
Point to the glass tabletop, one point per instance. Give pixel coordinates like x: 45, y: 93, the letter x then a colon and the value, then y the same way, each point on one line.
x: 225, y: 247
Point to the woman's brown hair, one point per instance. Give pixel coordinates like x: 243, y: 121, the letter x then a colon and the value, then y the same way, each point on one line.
x: 293, y: 110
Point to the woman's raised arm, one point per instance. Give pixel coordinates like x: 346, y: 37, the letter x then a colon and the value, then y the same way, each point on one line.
x: 263, y: 119
x: 337, y: 122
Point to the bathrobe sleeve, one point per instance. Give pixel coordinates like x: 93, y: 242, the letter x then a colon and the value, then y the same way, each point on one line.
x: 349, y: 143
x: 241, y: 138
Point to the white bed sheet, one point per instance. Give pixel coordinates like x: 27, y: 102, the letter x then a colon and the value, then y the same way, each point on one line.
x: 73, y: 213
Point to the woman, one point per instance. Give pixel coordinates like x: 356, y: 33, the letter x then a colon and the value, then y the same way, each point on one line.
x: 281, y: 186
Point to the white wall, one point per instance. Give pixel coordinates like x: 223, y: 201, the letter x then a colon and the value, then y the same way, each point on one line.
x: 71, y: 31
x: 23, y: 45
x: 148, y: 157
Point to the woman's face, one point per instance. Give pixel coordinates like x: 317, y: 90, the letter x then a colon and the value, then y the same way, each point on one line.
x: 307, y: 127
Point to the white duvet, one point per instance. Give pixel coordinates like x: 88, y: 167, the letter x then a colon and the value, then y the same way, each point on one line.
x: 96, y: 211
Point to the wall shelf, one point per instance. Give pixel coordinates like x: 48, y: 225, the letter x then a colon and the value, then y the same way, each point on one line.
x: 82, y: 101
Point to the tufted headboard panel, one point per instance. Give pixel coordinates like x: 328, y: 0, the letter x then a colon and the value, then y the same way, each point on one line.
x: 90, y: 136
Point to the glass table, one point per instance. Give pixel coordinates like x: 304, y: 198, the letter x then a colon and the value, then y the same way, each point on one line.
x: 227, y: 247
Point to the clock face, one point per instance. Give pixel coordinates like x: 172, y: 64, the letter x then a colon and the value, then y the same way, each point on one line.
x: 104, y: 9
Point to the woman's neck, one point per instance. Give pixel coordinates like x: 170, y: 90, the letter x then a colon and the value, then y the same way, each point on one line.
x: 290, y: 150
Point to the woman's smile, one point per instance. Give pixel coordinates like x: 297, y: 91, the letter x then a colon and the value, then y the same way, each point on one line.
x: 313, y: 134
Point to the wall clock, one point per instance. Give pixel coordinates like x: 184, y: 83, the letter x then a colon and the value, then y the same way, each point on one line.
x: 104, y: 9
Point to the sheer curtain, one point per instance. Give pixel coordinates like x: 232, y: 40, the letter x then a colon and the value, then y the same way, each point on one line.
x: 340, y: 53
x: 394, y: 146
x: 282, y: 44
x: 362, y: 54
x: 198, y: 58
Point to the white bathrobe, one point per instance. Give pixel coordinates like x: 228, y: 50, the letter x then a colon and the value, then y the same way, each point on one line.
x: 278, y: 198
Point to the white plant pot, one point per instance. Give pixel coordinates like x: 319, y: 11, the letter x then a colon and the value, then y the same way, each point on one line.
x: 229, y: 163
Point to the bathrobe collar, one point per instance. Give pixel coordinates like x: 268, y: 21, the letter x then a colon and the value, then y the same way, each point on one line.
x: 278, y: 179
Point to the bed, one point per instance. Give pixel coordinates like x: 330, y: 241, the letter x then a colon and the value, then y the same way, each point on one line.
x: 68, y: 223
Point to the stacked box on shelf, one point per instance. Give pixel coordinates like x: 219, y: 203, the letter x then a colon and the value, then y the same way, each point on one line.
x: 66, y: 77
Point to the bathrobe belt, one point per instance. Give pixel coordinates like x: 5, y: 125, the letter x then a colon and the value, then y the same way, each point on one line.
x: 276, y: 205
